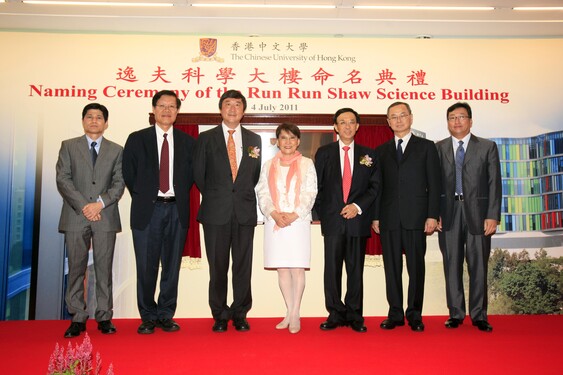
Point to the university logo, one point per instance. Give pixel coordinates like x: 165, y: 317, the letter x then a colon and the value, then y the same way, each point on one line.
x: 207, y: 50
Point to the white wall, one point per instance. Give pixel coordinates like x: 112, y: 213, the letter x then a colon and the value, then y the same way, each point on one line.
x: 529, y: 70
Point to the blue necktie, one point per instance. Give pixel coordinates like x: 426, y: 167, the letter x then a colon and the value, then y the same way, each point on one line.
x: 459, y: 156
x: 94, y: 153
x: 399, y: 150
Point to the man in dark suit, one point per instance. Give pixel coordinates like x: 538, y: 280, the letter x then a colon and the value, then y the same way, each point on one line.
x: 158, y: 172
x: 469, y: 212
x: 406, y: 212
x: 90, y: 181
x: 226, y: 172
x: 348, y: 178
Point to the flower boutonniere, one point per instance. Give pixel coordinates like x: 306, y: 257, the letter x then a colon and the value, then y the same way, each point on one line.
x: 254, y: 152
x: 366, y: 160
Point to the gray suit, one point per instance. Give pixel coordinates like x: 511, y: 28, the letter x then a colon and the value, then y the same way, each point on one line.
x: 80, y: 183
x: 462, y: 234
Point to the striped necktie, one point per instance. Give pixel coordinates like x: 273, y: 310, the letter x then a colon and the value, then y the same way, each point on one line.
x: 346, y: 175
x: 94, y: 153
x: 459, y: 156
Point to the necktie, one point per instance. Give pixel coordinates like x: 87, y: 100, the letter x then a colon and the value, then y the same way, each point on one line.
x: 459, y: 156
x: 232, y: 155
x: 346, y: 175
x: 94, y: 153
x: 399, y: 150
x: 164, y: 173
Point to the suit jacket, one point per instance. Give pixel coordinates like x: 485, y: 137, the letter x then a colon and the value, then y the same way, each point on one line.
x: 481, y: 181
x: 141, y: 173
x: 411, y: 190
x: 220, y: 195
x: 366, y: 181
x: 80, y: 183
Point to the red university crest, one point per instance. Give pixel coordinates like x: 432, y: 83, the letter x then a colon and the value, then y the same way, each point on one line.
x: 207, y: 46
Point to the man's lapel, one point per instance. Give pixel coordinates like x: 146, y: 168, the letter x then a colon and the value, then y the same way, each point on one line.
x: 335, y: 156
x: 448, y: 152
x: 472, y: 149
x: 219, y: 139
x: 84, y: 149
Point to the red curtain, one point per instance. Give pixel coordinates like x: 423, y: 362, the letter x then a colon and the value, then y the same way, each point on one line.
x: 373, y: 136
x: 192, y: 247
x: 370, y: 136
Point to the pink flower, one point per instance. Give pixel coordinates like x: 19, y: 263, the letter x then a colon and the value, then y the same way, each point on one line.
x: 77, y: 361
x: 254, y: 152
x: 366, y: 160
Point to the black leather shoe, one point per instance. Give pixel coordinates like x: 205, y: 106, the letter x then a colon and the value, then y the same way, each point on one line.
x: 167, y: 325
x: 391, y: 324
x: 75, y: 329
x: 483, y: 325
x: 220, y: 325
x: 417, y: 325
x: 147, y: 327
x: 329, y: 326
x: 241, y: 325
x: 453, y: 323
x: 106, y: 327
x: 358, y: 327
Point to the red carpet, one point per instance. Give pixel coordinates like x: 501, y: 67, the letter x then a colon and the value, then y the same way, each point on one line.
x: 518, y: 345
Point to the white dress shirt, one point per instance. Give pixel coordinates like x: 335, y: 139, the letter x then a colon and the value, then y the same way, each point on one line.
x: 405, y: 139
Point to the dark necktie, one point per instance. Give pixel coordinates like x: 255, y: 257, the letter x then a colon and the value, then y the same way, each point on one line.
x: 346, y: 175
x: 399, y: 150
x: 459, y: 156
x: 94, y: 153
x: 164, y: 174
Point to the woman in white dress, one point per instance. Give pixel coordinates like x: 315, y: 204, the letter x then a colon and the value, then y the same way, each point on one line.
x: 286, y: 193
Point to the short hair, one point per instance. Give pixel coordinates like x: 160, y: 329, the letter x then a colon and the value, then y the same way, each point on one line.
x: 290, y: 128
x: 344, y: 110
x: 399, y: 103
x: 233, y: 94
x: 457, y: 105
x: 162, y: 93
x: 97, y: 106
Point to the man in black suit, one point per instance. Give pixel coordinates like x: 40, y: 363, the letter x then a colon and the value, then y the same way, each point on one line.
x: 469, y: 214
x: 348, y: 178
x: 157, y: 168
x: 226, y: 171
x: 407, y: 210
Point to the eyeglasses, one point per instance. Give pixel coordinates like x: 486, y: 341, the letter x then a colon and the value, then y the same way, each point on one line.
x: 163, y: 107
x: 402, y: 116
x: 460, y: 118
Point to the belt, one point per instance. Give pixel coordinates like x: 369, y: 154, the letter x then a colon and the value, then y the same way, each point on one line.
x: 458, y: 198
x: 166, y: 199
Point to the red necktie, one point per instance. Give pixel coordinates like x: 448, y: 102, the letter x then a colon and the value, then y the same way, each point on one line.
x: 232, y: 154
x: 346, y: 175
x: 164, y: 173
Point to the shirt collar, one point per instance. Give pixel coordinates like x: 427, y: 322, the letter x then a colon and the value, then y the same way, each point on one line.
x: 465, y: 140
x: 405, y: 139
x: 226, y: 128
x: 340, y: 145
x: 98, y: 141
x: 160, y: 132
